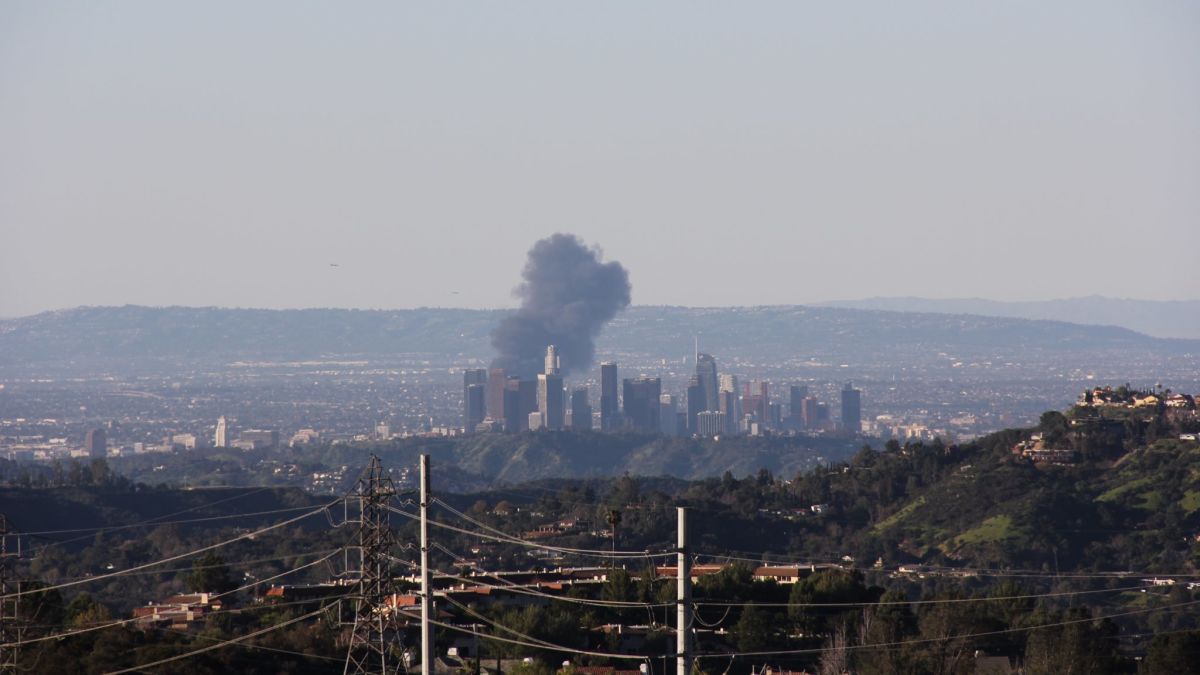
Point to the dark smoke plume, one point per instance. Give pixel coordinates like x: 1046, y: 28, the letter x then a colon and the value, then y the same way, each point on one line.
x: 566, y: 298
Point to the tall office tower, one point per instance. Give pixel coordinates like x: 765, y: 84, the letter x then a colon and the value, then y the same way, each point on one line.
x: 581, y: 409
x: 822, y: 415
x: 810, y: 413
x: 552, y: 362
x: 757, y: 401
x: 729, y: 383
x: 221, y: 438
x: 472, y: 376
x: 641, y: 402
x: 796, y: 395
x: 96, y: 443
x: 851, y: 409
x: 706, y: 375
x: 695, y: 403
x: 474, y: 415
x: 512, y: 406
x: 529, y: 401
x: 550, y: 400
x: 710, y: 423
x: 730, y: 406
x: 610, y: 413
x: 497, y: 382
x: 667, y: 419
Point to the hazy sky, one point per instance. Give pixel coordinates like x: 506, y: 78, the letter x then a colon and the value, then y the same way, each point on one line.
x: 225, y: 153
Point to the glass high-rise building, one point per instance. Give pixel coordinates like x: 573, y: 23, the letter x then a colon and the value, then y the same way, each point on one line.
x: 695, y: 404
x: 610, y: 413
x: 473, y: 416
x: 642, y: 403
x: 581, y: 409
x: 550, y: 400
x: 706, y: 376
x: 497, y: 382
x: 797, y: 394
x: 851, y: 409
x: 474, y: 412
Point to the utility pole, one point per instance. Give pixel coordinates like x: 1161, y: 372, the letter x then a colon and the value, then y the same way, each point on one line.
x: 9, y: 633
x: 376, y: 630
x: 683, y: 598
x: 427, y: 655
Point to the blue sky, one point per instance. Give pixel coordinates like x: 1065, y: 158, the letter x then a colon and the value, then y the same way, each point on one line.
x: 225, y: 153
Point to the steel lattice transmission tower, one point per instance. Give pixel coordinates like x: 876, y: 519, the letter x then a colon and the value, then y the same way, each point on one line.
x: 9, y: 633
x: 375, y: 640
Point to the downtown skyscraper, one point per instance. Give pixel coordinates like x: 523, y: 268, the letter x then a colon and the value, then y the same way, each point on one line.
x: 851, y: 409
x: 550, y: 392
x: 642, y: 401
x: 474, y: 401
x: 706, y: 377
x: 610, y: 413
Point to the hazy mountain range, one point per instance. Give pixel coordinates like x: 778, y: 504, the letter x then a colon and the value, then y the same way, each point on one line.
x: 1160, y: 318
x: 766, y: 335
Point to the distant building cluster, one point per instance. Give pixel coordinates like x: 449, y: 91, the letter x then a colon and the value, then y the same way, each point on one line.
x: 713, y: 404
x: 1038, y: 451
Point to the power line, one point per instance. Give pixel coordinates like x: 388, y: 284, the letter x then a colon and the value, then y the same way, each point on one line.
x: 201, y: 636
x: 934, y: 601
x: 173, y: 558
x: 153, y: 521
x: 231, y: 563
x: 497, y: 625
x: 121, y: 622
x: 517, y: 540
x: 109, y: 528
x: 524, y: 589
x: 949, y: 571
x: 903, y: 643
x: 225, y: 643
x: 504, y: 537
x: 546, y: 645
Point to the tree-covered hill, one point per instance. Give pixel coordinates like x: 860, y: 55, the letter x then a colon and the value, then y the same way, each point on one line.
x: 477, y: 461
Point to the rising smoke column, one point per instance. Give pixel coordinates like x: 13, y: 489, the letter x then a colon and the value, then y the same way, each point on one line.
x: 566, y: 298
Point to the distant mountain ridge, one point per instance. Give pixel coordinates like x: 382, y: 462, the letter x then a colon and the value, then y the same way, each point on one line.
x: 171, y: 335
x: 1160, y: 318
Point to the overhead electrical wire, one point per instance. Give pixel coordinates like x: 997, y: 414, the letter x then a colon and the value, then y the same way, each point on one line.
x: 952, y: 571
x: 523, y: 589
x: 231, y: 563
x: 121, y: 622
x: 155, y: 520
x: 931, y: 601
x: 201, y: 636
x: 546, y: 645
x: 225, y: 643
x: 109, y: 528
x: 904, y: 643
x: 505, y: 537
x: 180, y: 556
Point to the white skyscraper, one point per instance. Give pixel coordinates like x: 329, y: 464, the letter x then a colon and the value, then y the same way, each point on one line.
x: 552, y: 361
x: 221, y: 438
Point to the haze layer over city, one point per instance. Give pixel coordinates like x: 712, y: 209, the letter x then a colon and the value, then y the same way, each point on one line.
x: 550, y: 339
